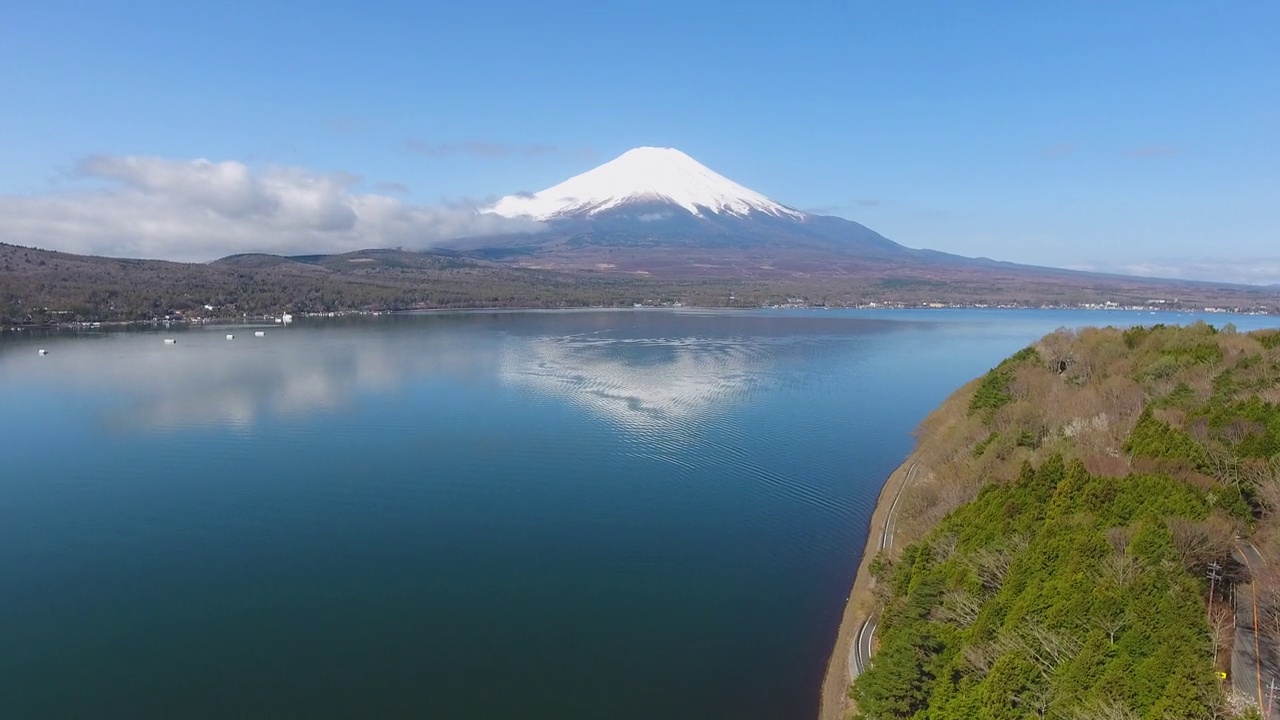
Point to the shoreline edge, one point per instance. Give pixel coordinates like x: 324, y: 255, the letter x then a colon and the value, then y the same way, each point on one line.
x: 834, y: 700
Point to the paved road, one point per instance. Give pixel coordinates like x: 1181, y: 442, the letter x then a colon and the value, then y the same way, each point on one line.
x: 860, y: 653
x: 1254, y: 660
x: 891, y: 520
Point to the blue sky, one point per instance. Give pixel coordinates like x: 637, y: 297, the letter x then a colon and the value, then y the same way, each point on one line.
x: 1134, y: 136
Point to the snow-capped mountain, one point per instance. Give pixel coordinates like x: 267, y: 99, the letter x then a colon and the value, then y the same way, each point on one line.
x: 648, y: 176
x: 656, y: 209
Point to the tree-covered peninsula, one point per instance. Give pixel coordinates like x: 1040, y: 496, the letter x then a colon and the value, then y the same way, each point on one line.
x: 1070, y: 546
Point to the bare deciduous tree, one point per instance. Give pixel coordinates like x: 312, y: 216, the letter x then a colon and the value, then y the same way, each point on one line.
x: 1046, y: 648
x: 1119, y: 539
x: 1264, y: 475
x: 1105, y: 710
x: 1199, y: 430
x: 1225, y: 467
x: 1112, y: 624
x: 958, y: 608
x: 1199, y: 543
x: 981, y: 657
x: 1222, y: 625
x: 1037, y: 700
x: 992, y: 566
x: 1123, y: 395
x: 1239, y: 429
x: 943, y: 547
x: 1121, y: 569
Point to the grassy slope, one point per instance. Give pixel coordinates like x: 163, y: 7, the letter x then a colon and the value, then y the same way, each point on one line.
x: 1074, y: 497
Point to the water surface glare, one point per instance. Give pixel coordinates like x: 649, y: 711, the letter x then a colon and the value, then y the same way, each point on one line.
x: 542, y: 515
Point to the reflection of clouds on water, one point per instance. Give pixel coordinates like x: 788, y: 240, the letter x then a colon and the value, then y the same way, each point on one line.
x: 239, y: 390
x: 641, y: 384
x: 208, y: 381
x: 649, y: 374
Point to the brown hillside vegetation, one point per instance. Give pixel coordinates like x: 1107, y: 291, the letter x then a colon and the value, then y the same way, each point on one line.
x: 40, y: 286
x: 1080, y: 394
x: 1050, y: 556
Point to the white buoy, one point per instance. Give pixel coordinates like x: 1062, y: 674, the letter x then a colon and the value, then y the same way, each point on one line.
x: 230, y: 336
x: 170, y: 341
x: 260, y: 333
x: 43, y: 351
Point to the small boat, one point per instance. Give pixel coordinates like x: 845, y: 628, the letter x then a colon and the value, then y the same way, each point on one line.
x: 42, y: 351
x: 286, y: 318
x: 259, y: 333
x: 230, y: 336
x: 170, y: 341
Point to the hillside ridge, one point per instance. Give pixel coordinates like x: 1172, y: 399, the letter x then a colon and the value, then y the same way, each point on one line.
x: 1050, y: 558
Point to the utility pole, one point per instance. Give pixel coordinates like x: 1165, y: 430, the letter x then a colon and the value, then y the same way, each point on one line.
x: 1215, y: 574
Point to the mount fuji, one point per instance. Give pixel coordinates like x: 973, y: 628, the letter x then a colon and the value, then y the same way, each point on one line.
x: 658, y: 213
x: 651, y: 226
x: 645, y: 176
x: 657, y: 208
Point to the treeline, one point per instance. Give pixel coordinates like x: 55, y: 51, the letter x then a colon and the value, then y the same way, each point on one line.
x: 41, y: 287
x: 1058, y: 538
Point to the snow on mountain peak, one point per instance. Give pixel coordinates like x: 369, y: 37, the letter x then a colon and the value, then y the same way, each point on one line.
x: 642, y: 175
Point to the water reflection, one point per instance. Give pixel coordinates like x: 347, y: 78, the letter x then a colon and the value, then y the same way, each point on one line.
x: 640, y: 383
x: 650, y: 371
x: 640, y: 371
x: 205, y: 380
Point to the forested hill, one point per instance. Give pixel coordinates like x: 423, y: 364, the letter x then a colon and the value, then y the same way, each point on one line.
x: 45, y: 287
x: 41, y: 286
x: 1056, y: 548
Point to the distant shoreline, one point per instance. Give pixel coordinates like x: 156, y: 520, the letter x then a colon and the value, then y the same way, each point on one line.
x: 834, y: 702
x: 273, y: 319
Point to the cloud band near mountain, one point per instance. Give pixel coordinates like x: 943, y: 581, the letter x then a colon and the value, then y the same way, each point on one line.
x: 197, y: 210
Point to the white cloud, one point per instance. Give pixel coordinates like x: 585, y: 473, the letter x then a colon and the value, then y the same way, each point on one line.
x: 1252, y: 271
x: 199, y: 210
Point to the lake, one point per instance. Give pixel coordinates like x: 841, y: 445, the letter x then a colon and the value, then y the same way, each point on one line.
x: 625, y: 514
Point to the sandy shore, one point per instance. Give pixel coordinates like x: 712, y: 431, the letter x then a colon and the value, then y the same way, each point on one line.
x: 835, y: 702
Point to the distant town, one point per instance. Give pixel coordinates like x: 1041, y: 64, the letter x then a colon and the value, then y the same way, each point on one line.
x: 214, y: 315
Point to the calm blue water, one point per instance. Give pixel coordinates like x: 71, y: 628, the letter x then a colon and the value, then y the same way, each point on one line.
x: 540, y: 515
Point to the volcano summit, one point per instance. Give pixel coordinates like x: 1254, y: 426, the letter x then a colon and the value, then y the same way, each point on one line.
x: 657, y: 209
x: 658, y: 213
x: 645, y: 176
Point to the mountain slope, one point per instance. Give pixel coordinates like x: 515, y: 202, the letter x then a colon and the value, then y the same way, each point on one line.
x: 658, y: 210
x: 1049, y: 559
